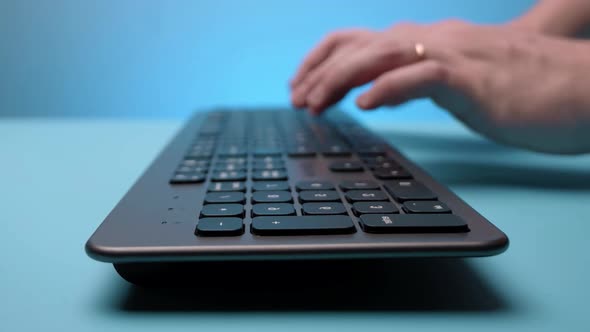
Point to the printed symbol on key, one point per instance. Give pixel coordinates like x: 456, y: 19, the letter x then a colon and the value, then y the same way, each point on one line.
x: 320, y: 195
x: 375, y: 206
x: 368, y: 195
x: 327, y: 208
x: 273, y: 209
x: 386, y: 220
x: 405, y: 184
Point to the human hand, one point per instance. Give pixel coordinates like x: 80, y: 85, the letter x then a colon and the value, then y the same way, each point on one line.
x: 515, y: 86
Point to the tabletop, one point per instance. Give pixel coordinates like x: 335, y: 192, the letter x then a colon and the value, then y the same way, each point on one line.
x: 60, y: 178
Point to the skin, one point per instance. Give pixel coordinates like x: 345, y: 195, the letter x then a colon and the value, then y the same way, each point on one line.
x: 511, y: 83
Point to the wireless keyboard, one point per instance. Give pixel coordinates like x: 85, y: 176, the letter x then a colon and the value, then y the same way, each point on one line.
x: 280, y: 184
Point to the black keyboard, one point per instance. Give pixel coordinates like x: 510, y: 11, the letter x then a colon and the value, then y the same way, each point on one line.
x: 281, y: 185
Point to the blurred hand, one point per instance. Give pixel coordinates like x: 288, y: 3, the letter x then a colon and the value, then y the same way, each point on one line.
x: 513, y: 85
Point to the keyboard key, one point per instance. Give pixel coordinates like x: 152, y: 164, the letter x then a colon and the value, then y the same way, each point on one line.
x: 412, y: 223
x: 268, y: 152
x: 352, y: 185
x: 268, y: 167
x: 220, y: 227
x: 314, y: 185
x: 323, y: 208
x: 224, y: 197
x: 409, y: 191
x: 365, y: 195
x: 272, y: 197
x: 270, y: 185
x: 371, y: 150
x: 384, y: 165
x: 195, y: 163
x: 199, y: 155
x: 391, y: 173
x: 227, y: 186
x: 232, y: 160
x: 319, y: 196
x: 302, y: 225
x: 231, y: 167
x: 268, y: 159
x: 347, y: 166
x: 301, y: 151
x: 336, y: 150
x: 222, y: 210
x: 181, y: 178
x: 229, y: 176
x: 273, y: 209
x: 232, y: 152
x: 268, y: 164
x: 373, y: 207
x: 426, y: 207
x: 192, y: 169
x: 269, y: 175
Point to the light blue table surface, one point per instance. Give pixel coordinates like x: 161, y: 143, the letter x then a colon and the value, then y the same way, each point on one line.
x: 59, y: 179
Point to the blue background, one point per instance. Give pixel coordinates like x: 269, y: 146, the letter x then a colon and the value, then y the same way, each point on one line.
x: 165, y: 58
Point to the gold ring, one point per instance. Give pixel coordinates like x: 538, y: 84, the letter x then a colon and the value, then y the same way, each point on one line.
x: 420, y: 50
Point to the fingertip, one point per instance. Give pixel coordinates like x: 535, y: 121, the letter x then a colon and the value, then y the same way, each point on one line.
x: 364, y: 102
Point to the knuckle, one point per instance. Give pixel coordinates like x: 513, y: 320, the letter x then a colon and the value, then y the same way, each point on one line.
x: 439, y: 72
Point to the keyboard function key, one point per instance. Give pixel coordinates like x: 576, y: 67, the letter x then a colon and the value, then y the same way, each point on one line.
x: 426, y: 207
x: 273, y: 209
x: 220, y: 227
x: 323, y: 208
x: 360, y: 208
x: 222, y: 210
x: 365, y: 195
x: 319, y: 196
x: 272, y: 197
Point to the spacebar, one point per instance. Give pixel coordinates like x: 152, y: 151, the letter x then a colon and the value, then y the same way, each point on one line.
x: 302, y: 225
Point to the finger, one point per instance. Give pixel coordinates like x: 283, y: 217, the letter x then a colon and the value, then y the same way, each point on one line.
x: 403, y: 84
x: 299, y: 94
x: 359, y: 69
x: 323, y: 51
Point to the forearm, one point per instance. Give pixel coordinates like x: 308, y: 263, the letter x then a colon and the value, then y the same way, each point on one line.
x: 557, y: 17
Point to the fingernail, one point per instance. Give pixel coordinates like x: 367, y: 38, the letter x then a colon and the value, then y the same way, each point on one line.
x: 363, y: 102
